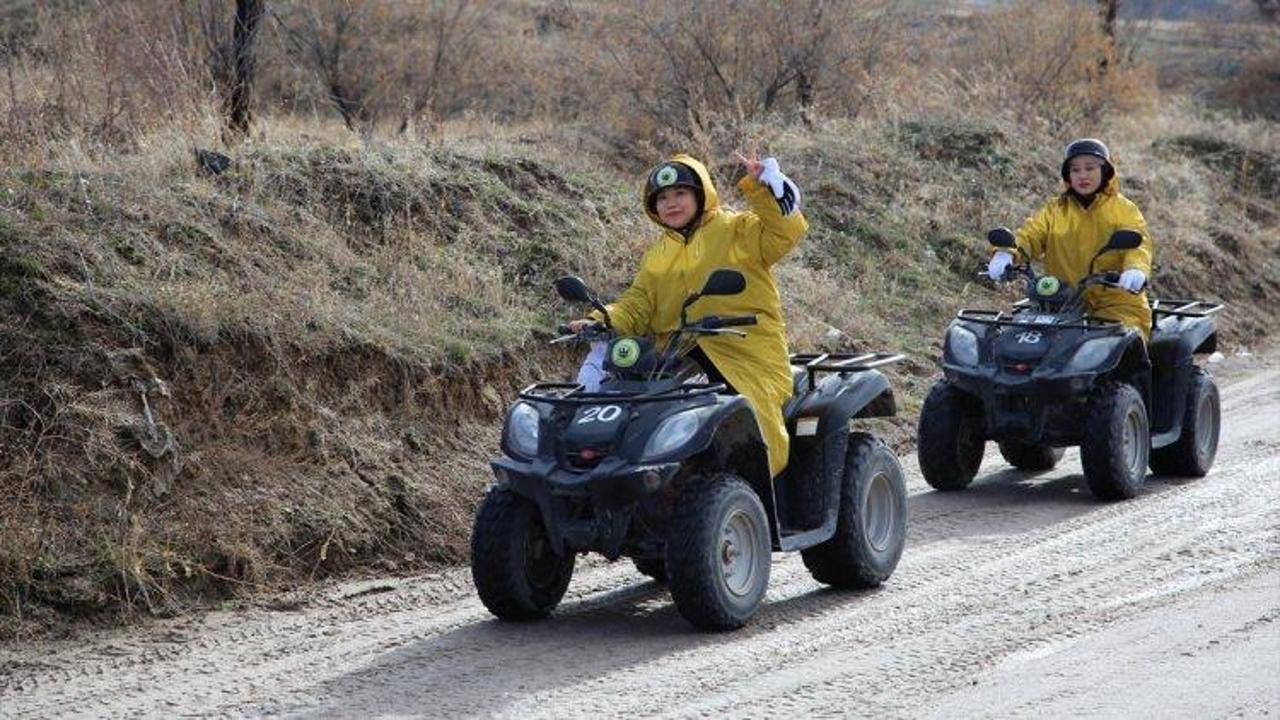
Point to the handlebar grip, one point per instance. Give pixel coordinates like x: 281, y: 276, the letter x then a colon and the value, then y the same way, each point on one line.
x: 598, y: 326
x: 738, y: 320
x: 1013, y: 272
x: 715, y: 322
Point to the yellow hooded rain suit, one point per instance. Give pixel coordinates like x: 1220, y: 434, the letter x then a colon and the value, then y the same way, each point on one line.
x: 1067, y: 235
x: 751, y: 241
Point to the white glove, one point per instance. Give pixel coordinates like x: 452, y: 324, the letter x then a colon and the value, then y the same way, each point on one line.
x: 999, y: 263
x: 591, y: 374
x: 1133, y: 280
x: 784, y: 191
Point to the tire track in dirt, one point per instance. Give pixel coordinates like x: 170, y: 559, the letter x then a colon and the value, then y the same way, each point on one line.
x: 1014, y: 565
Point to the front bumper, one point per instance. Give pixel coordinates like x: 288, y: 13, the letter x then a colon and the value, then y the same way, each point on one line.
x: 588, y: 510
x: 1036, y: 407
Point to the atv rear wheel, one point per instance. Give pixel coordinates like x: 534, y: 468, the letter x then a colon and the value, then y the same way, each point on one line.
x: 516, y: 573
x: 1029, y: 456
x: 718, y: 553
x: 872, y: 525
x: 1117, y: 439
x: 655, y: 568
x: 949, y: 440
x: 1193, y: 453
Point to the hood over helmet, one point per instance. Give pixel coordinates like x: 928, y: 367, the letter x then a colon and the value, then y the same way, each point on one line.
x: 680, y: 170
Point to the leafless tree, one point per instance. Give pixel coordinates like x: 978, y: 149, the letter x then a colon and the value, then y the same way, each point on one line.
x: 230, y: 50
x: 330, y: 39
x: 1107, y: 10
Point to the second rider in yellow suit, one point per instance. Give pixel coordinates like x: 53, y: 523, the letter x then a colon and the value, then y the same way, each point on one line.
x: 1071, y: 228
x: 700, y: 236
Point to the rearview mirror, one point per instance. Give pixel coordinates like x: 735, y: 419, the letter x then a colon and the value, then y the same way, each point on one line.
x: 572, y: 288
x: 724, y: 282
x: 1002, y: 237
x: 1124, y: 240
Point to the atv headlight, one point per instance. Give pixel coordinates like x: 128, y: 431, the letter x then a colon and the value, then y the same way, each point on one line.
x: 522, y: 429
x: 962, y: 345
x: 1089, y: 354
x: 672, y: 433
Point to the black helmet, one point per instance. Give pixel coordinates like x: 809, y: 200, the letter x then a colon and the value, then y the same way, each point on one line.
x: 671, y: 174
x: 1087, y: 146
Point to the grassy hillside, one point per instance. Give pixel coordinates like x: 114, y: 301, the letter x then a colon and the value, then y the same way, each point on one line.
x: 218, y: 384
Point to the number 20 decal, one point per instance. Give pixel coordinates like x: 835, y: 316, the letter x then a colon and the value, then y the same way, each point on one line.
x: 600, y: 413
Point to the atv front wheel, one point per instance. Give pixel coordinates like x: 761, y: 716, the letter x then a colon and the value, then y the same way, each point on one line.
x: 1193, y: 453
x: 1116, y: 442
x: 949, y: 440
x: 1029, y: 456
x: 872, y: 523
x: 516, y: 573
x: 718, y: 553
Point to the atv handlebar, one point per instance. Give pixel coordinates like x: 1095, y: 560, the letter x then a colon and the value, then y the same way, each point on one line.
x: 598, y: 330
x: 714, y: 322
x: 1109, y: 279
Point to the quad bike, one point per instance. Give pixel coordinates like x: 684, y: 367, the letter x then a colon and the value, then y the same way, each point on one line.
x: 667, y: 468
x: 1048, y: 375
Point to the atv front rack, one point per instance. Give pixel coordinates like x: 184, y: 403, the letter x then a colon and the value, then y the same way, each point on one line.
x: 814, y: 363
x: 998, y: 317
x: 571, y: 393
x: 1183, y: 308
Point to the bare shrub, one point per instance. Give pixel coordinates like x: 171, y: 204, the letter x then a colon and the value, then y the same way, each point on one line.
x: 99, y: 73
x: 1041, y: 63
x: 691, y: 71
x: 382, y: 59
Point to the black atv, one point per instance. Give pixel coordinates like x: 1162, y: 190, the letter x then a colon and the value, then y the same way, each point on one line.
x: 669, y: 468
x: 1048, y: 375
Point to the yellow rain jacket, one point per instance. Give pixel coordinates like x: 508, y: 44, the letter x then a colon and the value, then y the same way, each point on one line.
x: 1067, y: 235
x: 672, y: 268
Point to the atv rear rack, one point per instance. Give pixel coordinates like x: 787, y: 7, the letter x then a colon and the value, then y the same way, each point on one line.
x: 563, y: 393
x: 814, y: 363
x: 1183, y: 308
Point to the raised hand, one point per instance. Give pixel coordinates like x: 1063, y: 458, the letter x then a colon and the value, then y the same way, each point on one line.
x: 752, y: 164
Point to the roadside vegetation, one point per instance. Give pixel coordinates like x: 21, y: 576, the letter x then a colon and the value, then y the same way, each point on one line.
x: 217, y: 381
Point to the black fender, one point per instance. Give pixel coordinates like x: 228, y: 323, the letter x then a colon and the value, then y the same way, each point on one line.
x: 1200, y: 333
x: 1128, y: 362
x: 731, y: 441
x: 728, y: 430
x: 839, y: 398
x: 728, y: 438
x: 819, y: 427
x: 1174, y: 342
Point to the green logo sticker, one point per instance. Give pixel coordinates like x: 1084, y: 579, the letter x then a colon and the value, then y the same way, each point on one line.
x: 625, y: 353
x: 1048, y: 285
x: 666, y: 176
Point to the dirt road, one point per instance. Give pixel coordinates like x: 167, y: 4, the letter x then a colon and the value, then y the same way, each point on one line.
x: 1021, y: 596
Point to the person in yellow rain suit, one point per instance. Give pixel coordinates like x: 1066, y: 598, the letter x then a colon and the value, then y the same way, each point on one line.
x: 700, y: 236
x: 1070, y: 229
